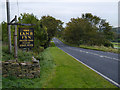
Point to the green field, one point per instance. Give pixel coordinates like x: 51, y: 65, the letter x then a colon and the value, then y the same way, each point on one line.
x: 116, y: 44
x: 59, y: 70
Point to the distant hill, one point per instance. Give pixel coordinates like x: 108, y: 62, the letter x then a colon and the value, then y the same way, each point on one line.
x: 116, y: 30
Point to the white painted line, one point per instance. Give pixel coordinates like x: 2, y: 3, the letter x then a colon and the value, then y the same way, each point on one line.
x: 94, y: 70
x: 101, y: 56
x: 97, y: 54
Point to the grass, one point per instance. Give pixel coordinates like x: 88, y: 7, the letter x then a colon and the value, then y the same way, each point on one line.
x: 22, y: 55
x: 116, y: 44
x: 0, y: 61
x: 47, y: 66
x: 70, y: 73
x: 59, y: 70
x: 99, y: 48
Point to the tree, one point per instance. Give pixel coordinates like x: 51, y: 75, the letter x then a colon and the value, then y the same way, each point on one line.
x: 94, y: 20
x: 88, y: 30
x: 52, y: 25
x: 79, y: 31
x: 100, y: 24
x: 40, y: 33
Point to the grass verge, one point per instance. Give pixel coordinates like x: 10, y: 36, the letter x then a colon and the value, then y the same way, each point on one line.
x: 59, y: 70
x: 70, y: 73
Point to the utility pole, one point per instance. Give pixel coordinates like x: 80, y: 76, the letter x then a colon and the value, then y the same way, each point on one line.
x: 8, y: 26
x: 15, y: 39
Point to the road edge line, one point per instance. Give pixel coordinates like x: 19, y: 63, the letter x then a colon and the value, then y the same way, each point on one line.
x: 115, y: 83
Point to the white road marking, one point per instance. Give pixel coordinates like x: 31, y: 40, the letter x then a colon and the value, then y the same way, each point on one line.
x: 102, y: 56
x: 94, y: 70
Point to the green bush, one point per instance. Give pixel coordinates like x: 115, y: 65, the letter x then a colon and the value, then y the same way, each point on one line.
x: 52, y: 44
x: 38, y: 49
x: 108, y: 44
x: 23, y: 55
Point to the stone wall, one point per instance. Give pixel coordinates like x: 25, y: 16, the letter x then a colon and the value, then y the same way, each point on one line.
x: 21, y: 70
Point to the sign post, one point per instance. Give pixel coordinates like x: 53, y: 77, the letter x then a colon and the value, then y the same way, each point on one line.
x: 26, y: 37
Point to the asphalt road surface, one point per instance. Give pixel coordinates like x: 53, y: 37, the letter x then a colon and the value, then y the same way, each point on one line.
x: 105, y: 63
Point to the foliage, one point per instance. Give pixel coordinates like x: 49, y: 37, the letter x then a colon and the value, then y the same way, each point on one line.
x: 88, y: 30
x: 46, y: 68
x: 52, y: 25
x: 44, y: 29
x: 22, y: 55
x: 52, y: 44
x: 99, y: 48
x: 40, y: 34
x: 4, y: 32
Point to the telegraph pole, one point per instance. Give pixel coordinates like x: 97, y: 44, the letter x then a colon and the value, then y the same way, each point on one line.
x: 15, y: 39
x: 8, y: 26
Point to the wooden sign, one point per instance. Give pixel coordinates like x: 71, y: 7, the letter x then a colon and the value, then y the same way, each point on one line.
x: 26, y: 37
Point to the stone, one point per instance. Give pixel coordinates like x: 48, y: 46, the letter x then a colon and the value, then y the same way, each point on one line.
x: 5, y: 63
x: 15, y: 64
x: 23, y: 64
x: 5, y: 75
x: 12, y: 61
x: 30, y: 76
x: 21, y: 70
x: 34, y: 60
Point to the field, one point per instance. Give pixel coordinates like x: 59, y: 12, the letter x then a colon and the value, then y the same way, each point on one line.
x: 116, y: 45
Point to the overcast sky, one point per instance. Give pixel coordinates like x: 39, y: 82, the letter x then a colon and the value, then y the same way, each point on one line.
x: 63, y: 9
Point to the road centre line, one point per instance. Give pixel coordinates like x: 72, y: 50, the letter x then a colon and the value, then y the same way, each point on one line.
x: 102, y: 56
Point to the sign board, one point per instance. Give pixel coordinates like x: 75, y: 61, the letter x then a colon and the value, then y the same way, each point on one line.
x: 26, y: 37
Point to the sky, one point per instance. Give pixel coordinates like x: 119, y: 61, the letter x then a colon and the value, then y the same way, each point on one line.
x: 63, y: 9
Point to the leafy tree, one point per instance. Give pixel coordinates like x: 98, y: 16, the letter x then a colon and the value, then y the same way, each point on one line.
x: 79, y: 31
x: 107, y: 31
x: 52, y: 25
x: 40, y: 33
x: 88, y: 30
x: 94, y: 20
x: 100, y: 24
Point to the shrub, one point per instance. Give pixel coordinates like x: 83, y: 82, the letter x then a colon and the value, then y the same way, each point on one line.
x: 108, y: 44
x: 52, y: 44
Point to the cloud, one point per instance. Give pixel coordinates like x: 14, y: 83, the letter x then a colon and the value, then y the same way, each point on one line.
x: 119, y: 14
x: 64, y: 0
x: 67, y: 10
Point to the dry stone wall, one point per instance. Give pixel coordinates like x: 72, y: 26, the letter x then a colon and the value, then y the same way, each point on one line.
x: 21, y: 70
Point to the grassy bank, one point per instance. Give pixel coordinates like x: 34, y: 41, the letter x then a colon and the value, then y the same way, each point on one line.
x: 59, y: 70
x: 46, y: 68
x: 99, y: 48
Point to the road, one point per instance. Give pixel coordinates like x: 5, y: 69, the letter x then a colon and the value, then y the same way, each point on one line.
x: 104, y: 63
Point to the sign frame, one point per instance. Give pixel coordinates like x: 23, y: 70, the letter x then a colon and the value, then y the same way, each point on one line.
x: 31, y: 42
